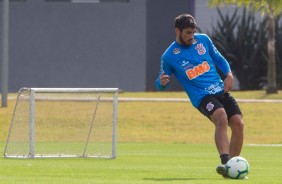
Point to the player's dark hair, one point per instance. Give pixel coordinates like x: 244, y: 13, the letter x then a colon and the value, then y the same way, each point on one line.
x: 185, y: 21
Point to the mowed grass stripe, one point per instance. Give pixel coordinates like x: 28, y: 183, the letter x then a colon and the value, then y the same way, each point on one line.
x: 146, y: 163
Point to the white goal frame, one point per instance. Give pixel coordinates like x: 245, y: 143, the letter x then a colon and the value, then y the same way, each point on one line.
x: 32, y: 123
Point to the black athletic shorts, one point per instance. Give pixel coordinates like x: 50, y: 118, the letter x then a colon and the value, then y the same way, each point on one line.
x: 212, y: 102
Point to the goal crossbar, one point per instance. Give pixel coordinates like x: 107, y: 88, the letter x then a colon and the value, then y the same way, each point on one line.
x: 75, y: 90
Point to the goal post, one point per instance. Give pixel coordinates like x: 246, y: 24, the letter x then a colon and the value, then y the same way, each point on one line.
x: 63, y: 122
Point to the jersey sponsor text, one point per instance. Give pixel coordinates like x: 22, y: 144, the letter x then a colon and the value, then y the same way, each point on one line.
x: 198, y: 70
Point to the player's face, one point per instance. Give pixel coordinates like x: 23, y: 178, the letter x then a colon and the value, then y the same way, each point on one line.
x: 186, y: 36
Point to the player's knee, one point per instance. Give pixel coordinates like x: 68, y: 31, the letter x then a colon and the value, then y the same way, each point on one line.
x: 222, y: 124
x: 219, y: 118
x: 236, y: 124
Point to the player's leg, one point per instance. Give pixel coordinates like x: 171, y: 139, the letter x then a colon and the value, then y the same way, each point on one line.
x: 235, y: 123
x: 212, y: 107
x: 237, y: 136
x: 219, y: 118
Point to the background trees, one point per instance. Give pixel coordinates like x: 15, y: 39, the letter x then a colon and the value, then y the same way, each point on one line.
x: 271, y: 10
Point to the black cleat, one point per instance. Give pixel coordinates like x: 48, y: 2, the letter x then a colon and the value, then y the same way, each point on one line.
x: 222, y: 170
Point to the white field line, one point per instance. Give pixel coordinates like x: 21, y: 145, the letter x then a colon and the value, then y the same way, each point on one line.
x: 133, y: 99
x: 260, y: 145
x: 125, y: 99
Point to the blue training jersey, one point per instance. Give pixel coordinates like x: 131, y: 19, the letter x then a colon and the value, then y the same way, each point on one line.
x: 194, y: 67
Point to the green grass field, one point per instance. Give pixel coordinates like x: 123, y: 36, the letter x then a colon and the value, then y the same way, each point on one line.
x: 161, y: 142
x: 144, y: 163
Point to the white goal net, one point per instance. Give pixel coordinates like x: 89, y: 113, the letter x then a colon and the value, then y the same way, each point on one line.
x: 63, y: 122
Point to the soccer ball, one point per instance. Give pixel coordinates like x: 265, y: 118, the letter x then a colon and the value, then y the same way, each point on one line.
x: 237, y: 167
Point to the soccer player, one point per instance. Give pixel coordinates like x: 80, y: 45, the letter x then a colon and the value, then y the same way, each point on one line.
x: 192, y: 59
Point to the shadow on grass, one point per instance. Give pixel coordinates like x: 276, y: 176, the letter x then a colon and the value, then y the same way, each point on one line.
x: 174, y: 179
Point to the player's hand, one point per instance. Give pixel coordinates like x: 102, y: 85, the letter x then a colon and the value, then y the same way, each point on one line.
x: 164, y: 79
x: 228, y: 82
